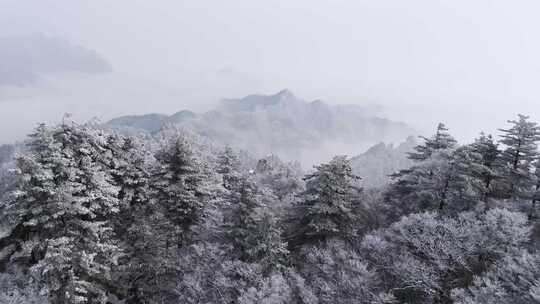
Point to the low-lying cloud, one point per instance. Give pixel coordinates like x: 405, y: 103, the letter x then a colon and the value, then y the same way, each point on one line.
x: 25, y: 59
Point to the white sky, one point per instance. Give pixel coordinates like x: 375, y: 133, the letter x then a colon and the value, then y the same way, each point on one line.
x: 471, y: 64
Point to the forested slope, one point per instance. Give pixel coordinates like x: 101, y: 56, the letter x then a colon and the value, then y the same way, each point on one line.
x: 98, y: 217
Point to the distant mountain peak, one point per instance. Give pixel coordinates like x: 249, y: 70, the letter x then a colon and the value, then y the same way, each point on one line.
x: 254, y: 102
x: 285, y: 94
x: 282, y: 124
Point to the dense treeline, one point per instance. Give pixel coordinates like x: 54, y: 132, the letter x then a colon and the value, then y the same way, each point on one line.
x: 95, y: 217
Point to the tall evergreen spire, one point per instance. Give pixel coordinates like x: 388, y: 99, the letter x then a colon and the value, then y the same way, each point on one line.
x: 325, y: 208
x: 521, y: 151
x: 440, y: 141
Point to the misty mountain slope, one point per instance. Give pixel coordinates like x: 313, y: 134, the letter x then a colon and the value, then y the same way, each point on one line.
x: 378, y: 162
x: 150, y: 122
x: 281, y: 124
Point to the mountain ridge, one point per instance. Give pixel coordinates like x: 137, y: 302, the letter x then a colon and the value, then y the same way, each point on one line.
x: 280, y: 123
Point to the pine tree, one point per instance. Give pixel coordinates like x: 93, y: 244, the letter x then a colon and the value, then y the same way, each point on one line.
x: 423, y: 256
x: 520, y: 141
x: 516, y: 279
x: 456, y: 193
x: 324, y: 210
x: 131, y: 169
x: 269, y: 249
x: 251, y: 228
x: 242, y: 220
x: 228, y: 165
x: 442, y: 140
x: 284, y: 179
x: 484, y: 166
x: 427, y: 183
x: 336, y: 273
x: 179, y: 182
x: 64, y: 201
x: 137, y: 222
x: 536, y: 192
x: 457, y: 179
x: 445, y: 177
x: 440, y: 182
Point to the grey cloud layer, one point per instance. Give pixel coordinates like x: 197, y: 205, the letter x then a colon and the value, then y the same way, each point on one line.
x: 24, y: 59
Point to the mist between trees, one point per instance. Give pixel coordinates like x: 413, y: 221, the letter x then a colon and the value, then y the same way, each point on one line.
x: 93, y: 216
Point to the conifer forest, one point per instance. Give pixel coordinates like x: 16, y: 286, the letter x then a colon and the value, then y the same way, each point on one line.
x: 93, y: 216
x: 269, y: 152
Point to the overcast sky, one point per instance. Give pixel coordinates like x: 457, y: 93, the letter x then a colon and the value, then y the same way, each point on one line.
x: 472, y: 64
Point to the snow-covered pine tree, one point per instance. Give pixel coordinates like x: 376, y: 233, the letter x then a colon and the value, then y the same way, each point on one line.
x: 269, y: 249
x: 456, y: 192
x: 242, y: 219
x: 516, y: 279
x: 228, y: 165
x: 251, y: 229
x: 180, y: 186
x: 425, y: 184
x: 336, y: 273
x: 283, y: 179
x: 450, y: 181
x: 442, y: 140
x: 521, y: 150
x: 64, y: 201
x: 422, y: 257
x: 131, y: 169
x: 324, y: 209
x: 484, y: 167
x: 138, y: 222
x: 440, y: 183
x: 533, y: 213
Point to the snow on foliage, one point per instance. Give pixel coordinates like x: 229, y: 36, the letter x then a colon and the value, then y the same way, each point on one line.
x: 93, y: 217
